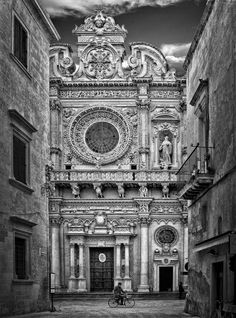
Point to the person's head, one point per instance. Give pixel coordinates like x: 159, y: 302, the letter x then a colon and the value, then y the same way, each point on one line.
x: 120, y: 284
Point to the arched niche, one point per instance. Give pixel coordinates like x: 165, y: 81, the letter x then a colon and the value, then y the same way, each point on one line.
x: 160, y: 130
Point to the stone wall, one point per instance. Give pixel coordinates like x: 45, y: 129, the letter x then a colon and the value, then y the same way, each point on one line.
x: 214, y: 59
x: 25, y: 91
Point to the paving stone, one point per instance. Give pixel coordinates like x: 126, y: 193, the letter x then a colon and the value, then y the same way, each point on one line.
x: 100, y: 308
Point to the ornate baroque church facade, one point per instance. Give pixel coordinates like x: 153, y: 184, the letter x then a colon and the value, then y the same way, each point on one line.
x: 117, y: 140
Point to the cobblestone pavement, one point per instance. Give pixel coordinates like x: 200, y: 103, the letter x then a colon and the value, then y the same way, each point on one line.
x: 99, y: 308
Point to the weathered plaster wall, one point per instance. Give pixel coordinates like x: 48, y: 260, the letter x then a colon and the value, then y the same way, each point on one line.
x: 213, y: 59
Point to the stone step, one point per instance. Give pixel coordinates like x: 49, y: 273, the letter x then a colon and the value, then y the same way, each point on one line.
x: 106, y: 295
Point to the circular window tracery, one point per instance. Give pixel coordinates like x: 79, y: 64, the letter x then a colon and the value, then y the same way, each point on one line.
x: 102, y: 137
x: 166, y: 235
x: 99, y: 134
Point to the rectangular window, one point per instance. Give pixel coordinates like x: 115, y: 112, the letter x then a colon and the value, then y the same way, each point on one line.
x: 19, y: 159
x: 20, y: 258
x: 21, y: 138
x: 22, y: 229
x: 20, y: 45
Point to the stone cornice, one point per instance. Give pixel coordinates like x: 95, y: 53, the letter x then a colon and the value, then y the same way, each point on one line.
x: 200, y: 29
x: 142, y: 80
x: 135, y: 81
x: 202, y: 85
x: 165, y: 84
x: 61, y: 44
x: 55, y: 81
x: 97, y: 84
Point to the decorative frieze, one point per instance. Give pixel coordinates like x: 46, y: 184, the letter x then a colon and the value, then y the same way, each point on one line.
x: 166, y: 208
x: 113, y: 176
x: 67, y: 94
x: 165, y: 94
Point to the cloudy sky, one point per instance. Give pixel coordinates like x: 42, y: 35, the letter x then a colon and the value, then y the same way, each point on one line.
x: 170, y: 25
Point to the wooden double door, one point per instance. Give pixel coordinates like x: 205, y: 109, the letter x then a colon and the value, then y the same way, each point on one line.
x: 101, y: 269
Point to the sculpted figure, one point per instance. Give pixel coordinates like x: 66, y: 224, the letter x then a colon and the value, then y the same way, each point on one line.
x: 75, y: 190
x: 98, y: 191
x: 143, y: 191
x: 166, y: 149
x: 165, y: 191
x: 121, y: 191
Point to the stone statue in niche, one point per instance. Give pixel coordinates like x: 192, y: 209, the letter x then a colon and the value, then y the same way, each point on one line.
x: 143, y: 191
x: 166, y: 152
x: 75, y: 190
x: 98, y: 190
x: 165, y: 190
x: 121, y: 190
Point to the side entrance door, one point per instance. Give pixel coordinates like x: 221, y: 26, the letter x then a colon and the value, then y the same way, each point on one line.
x: 166, y: 278
x: 101, y: 269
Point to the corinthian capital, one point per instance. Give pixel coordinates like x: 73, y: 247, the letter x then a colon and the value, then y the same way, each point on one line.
x: 143, y: 103
x: 55, y: 104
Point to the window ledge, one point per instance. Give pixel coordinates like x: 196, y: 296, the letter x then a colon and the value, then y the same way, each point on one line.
x: 22, y: 281
x: 21, y: 186
x: 20, y: 65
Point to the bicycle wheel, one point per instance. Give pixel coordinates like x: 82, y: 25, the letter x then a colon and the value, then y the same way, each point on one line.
x: 215, y: 314
x: 129, y: 302
x: 112, y: 303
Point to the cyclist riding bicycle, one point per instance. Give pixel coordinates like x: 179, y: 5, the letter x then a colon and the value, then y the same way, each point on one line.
x: 119, y: 293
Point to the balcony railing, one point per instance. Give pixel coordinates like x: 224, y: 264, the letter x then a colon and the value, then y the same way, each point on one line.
x: 197, y: 171
x: 112, y: 176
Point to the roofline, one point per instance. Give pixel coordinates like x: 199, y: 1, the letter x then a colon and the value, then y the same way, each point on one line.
x: 198, y: 34
x: 50, y: 26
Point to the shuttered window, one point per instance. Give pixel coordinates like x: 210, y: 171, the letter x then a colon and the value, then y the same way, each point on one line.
x: 19, y: 159
x: 20, y: 257
x: 20, y: 42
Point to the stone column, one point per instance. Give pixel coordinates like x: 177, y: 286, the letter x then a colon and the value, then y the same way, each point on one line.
x: 143, y: 103
x: 118, y: 261
x: 72, y: 260
x: 175, y: 148
x: 144, y: 246
x: 72, y: 279
x: 62, y: 255
x: 127, y: 261
x: 144, y: 286
x: 81, y: 280
x: 55, y: 262
x: 55, y: 121
x: 127, y: 279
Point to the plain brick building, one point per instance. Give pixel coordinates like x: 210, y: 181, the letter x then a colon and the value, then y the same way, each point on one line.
x: 210, y: 167
x: 25, y: 32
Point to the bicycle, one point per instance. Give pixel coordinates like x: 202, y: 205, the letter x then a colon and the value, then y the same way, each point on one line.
x: 218, y: 312
x: 128, y: 301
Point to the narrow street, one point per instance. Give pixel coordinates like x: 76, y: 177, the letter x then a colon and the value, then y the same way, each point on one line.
x: 100, y: 308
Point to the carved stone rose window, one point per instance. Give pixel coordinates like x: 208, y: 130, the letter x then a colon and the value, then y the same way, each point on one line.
x: 166, y: 235
x: 102, y: 137
x: 99, y: 135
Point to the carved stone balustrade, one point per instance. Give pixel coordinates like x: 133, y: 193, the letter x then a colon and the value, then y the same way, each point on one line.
x: 112, y: 176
